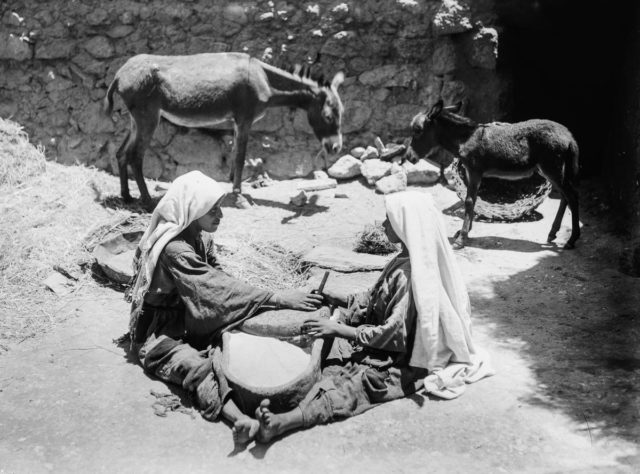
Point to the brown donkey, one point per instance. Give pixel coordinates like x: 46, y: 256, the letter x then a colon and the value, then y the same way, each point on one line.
x: 202, y: 90
x: 503, y: 150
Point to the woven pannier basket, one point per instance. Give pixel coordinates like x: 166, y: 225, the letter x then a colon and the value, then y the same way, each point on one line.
x: 501, y: 199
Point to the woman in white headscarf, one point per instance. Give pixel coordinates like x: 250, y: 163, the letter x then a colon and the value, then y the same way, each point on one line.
x: 412, y: 329
x: 182, y: 300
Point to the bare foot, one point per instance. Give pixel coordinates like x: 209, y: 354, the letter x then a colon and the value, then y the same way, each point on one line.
x: 245, y: 430
x: 269, y: 422
x: 242, y: 202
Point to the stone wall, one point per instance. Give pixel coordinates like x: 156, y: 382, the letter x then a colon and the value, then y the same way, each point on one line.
x: 58, y: 57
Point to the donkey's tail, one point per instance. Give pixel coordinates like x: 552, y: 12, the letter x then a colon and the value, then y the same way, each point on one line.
x: 107, y: 102
x: 572, y: 162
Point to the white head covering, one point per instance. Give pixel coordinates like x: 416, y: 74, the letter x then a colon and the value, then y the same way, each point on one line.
x: 190, y: 197
x: 443, y: 329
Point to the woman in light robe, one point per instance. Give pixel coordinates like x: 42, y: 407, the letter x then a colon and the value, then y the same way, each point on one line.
x: 182, y: 300
x: 411, y: 330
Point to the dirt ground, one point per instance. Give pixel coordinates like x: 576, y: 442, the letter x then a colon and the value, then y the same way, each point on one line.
x: 562, y: 328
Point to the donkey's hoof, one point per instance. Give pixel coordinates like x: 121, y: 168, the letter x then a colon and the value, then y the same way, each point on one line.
x: 457, y: 244
x: 551, y: 238
x: 241, y: 202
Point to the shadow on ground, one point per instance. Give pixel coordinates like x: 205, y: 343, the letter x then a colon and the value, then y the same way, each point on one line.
x: 135, y: 205
x: 505, y: 243
x: 581, y: 332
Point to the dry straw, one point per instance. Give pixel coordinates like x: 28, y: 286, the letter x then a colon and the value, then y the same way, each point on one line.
x: 46, y: 209
x: 54, y: 215
x: 374, y: 240
x: 263, y: 264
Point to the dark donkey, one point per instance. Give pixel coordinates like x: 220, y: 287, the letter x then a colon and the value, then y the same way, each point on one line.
x: 202, y: 90
x: 503, y: 150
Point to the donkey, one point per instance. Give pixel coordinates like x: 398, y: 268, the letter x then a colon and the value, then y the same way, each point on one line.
x: 202, y: 90
x: 503, y: 150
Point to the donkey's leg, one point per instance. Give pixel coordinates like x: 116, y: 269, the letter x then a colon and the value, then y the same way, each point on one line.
x: 146, y: 121
x: 121, y: 156
x: 558, y: 220
x: 571, y: 195
x: 474, y: 179
x: 241, y: 139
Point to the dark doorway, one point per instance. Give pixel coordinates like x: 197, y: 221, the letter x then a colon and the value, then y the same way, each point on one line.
x: 567, y: 60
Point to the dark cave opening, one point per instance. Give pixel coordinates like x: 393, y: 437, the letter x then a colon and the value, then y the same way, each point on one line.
x: 569, y: 62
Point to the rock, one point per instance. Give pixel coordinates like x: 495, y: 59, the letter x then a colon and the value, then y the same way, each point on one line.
x: 253, y: 168
x: 99, y: 47
x: 452, y: 17
x: 390, y: 75
x: 152, y: 166
x: 484, y: 52
x: 357, y: 152
x: 318, y: 184
x: 356, y: 116
x: 324, y: 198
x: 392, y: 151
x: 270, y: 122
x: 319, y: 174
x: 234, y: 13
x: 370, y: 153
x: 379, y: 145
x: 58, y: 84
x: 343, y: 44
x: 443, y: 60
x: 289, y: 163
x: 55, y: 49
x: 97, y: 17
x: 115, y: 256
x: 120, y: 31
x: 13, y: 47
x: 341, y: 196
x: 12, y: 18
x: 195, y: 147
x: 343, y: 260
x: 392, y: 183
x: 346, y: 167
x: 375, y: 169
x: 453, y: 92
x: 91, y: 121
x: 421, y: 173
x: 58, y: 283
x: 299, y: 199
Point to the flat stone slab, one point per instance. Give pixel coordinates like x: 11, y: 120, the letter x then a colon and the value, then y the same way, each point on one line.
x: 343, y: 284
x: 282, y: 323
x: 343, y: 260
x: 115, y: 256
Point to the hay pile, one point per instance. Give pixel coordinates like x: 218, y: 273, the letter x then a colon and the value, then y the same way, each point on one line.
x: 262, y: 264
x: 374, y: 240
x: 47, y: 209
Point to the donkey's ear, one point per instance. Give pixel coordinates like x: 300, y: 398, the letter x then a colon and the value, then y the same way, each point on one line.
x: 337, y: 80
x: 456, y: 108
x: 435, y: 110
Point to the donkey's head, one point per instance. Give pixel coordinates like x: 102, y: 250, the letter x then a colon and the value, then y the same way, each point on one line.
x: 325, y: 115
x: 424, y: 131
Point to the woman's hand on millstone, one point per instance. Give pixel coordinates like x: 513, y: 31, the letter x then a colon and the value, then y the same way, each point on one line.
x: 300, y: 300
x: 326, y: 327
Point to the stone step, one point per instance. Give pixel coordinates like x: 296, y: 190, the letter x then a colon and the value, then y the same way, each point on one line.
x: 343, y: 260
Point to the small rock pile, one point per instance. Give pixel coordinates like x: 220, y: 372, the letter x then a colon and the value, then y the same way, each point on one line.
x: 383, y: 166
